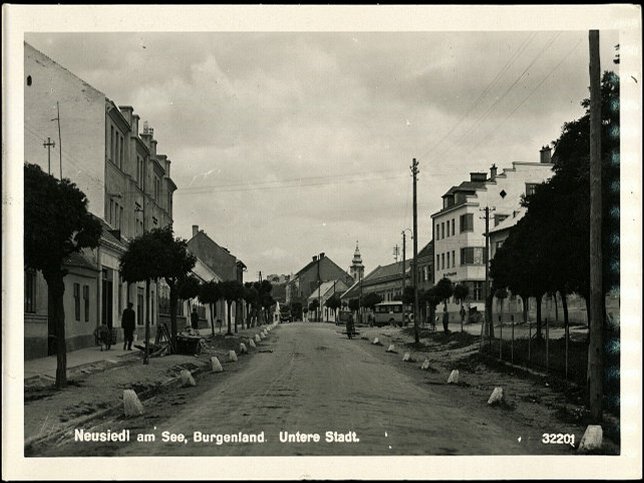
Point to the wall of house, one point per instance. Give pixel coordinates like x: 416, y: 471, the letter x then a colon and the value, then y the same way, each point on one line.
x: 82, y: 125
x: 218, y: 259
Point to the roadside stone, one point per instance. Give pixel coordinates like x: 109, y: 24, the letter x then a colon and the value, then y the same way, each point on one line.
x: 592, y: 439
x: 391, y: 348
x: 216, y: 365
x: 131, y: 404
x: 425, y: 365
x: 453, y: 377
x: 497, y: 396
x: 186, y: 378
x: 232, y: 356
x: 407, y: 357
x: 262, y: 336
x: 376, y: 341
x: 252, y: 343
x: 257, y: 338
x: 242, y: 348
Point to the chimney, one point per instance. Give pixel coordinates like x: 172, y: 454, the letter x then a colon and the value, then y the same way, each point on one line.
x: 321, y: 255
x: 315, y: 258
x: 135, y: 124
x: 127, y: 112
x: 195, y: 230
x: 546, y: 154
x: 478, y: 177
x: 493, y: 171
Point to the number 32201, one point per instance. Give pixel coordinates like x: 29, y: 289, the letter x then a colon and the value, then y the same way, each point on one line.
x: 558, y: 438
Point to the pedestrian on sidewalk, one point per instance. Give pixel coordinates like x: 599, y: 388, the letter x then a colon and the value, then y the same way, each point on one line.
x: 127, y: 322
x: 194, y: 318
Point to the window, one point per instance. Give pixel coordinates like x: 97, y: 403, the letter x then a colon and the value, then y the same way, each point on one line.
x: 112, y: 141
x: 86, y: 301
x: 30, y: 291
x: 438, y: 233
x: 77, y: 309
x: 121, y: 153
x: 448, y: 262
x: 477, y: 290
x: 453, y: 226
x: 467, y: 222
x: 499, y: 218
x: 442, y: 261
x: 443, y: 229
x: 28, y: 80
x: 453, y: 258
x: 120, y: 218
x: 111, y: 216
x: 530, y: 188
x: 157, y: 188
x: 472, y: 256
x: 438, y: 262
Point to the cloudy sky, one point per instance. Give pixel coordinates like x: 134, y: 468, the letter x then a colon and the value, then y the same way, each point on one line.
x: 285, y: 145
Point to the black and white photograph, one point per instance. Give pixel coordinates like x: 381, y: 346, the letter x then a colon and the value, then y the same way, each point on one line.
x: 340, y: 242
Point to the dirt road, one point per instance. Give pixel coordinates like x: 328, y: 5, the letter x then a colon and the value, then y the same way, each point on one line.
x: 310, y: 379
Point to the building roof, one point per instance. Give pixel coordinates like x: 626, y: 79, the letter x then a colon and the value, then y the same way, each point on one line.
x: 78, y: 259
x: 510, y: 221
x: 427, y: 250
x: 465, y: 186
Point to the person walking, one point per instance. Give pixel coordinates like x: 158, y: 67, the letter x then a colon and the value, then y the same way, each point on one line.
x: 127, y: 322
x: 194, y: 318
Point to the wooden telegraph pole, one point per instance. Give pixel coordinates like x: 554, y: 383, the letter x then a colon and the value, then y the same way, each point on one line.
x: 595, y: 363
x: 414, y: 172
x: 49, y: 144
x: 404, y: 312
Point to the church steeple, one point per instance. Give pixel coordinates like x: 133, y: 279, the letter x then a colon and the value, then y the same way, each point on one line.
x: 357, y: 268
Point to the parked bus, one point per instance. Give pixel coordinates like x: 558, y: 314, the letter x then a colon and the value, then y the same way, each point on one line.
x: 391, y: 313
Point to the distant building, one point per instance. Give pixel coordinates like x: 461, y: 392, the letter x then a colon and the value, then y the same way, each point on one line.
x: 304, y: 282
x: 323, y: 293
x: 221, y: 262
x: 459, y: 227
x: 357, y: 268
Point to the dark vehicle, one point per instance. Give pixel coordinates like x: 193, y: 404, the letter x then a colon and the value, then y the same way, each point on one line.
x: 343, y: 317
x: 285, y: 315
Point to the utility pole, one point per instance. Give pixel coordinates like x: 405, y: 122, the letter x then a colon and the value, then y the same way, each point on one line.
x: 49, y: 144
x: 396, y: 252
x: 595, y: 362
x: 487, y: 319
x: 414, y: 172
x: 60, y: 147
x: 404, y: 311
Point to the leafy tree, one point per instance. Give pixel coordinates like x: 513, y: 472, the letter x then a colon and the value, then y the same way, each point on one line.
x: 57, y: 224
x: 370, y: 300
x: 354, y: 305
x: 444, y: 289
x: 408, y: 295
x: 188, y: 287
x: 333, y: 303
x: 210, y: 293
x: 174, y: 264
x: 432, y: 299
x: 231, y: 291
x: 461, y: 292
x: 296, y: 310
x: 266, y: 299
x: 251, y: 297
x: 313, y: 305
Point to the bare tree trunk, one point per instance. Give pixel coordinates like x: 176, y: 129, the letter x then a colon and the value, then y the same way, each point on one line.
x: 56, y: 291
x: 173, y: 315
x: 146, y: 354
x: 564, y: 305
x: 539, y: 335
x: 212, y: 318
x: 229, y: 305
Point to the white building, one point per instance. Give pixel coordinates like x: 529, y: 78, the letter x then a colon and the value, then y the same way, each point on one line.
x: 459, y: 227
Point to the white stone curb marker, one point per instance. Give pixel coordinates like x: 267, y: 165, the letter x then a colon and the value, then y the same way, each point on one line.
x: 242, y: 348
x: 496, y: 397
x: 376, y: 341
x: 131, y: 404
x: 453, y: 377
x: 216, y: 365
x: 252, y: 343
x: 257, y: 338
x: 592, y: 438
x: 407, y: 357
x: 232, y: 356
x: 187, y: 379
x: 425, y: 365
x: 391, y: 348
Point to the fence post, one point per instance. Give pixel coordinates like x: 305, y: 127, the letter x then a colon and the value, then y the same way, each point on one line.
x: 512, y: 343
x: 500, y: 337
x: 547, y: 340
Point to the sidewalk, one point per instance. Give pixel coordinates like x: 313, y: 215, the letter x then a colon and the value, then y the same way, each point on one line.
x: 96, y: 381
x: 46, y: 367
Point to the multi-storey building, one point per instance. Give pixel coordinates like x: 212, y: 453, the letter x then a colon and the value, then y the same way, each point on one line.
x: 459, y: 227
x: 127, y: 184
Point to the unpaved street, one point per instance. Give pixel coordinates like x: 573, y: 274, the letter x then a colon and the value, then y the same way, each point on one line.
x: 317, y: 380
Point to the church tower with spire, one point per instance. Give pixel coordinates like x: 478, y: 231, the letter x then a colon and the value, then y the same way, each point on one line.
x: 357, y: 268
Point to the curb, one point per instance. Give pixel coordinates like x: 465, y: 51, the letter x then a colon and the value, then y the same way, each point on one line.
x: 34, y: 441
x: 70, y: 425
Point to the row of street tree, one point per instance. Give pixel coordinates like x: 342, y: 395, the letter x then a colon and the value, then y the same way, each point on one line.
x: 58, y: 224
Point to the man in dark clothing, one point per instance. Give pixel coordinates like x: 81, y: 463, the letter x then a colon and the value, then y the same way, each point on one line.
x: 194, y: 318
x: 127, y: 322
